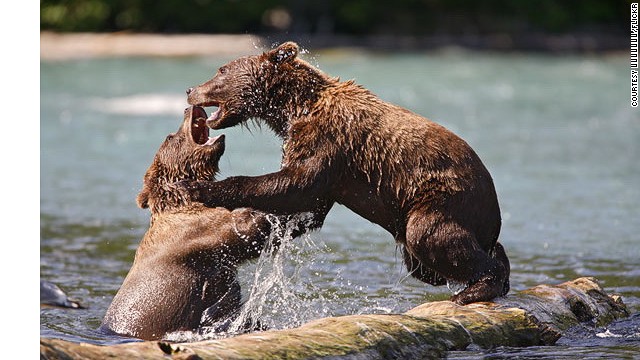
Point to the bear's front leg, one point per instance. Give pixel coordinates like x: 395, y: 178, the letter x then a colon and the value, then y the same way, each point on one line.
x: 283, y: 192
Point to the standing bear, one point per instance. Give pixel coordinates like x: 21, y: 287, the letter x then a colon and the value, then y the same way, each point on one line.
x: 184, y: 275
x: 341, y: 143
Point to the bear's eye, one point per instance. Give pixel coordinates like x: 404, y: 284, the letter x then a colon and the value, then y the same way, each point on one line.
x: 169, y: 137
x: 223, y: 70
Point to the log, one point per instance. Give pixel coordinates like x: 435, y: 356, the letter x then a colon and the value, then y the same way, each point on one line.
x: 536, y: 316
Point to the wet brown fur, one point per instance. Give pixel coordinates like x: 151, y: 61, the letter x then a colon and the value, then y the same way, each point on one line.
x: 186, y: 264
x: 413, y: 177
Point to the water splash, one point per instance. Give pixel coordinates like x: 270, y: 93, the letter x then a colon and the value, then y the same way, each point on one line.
x: 257, y: 44
x: 456, y: 287
x: 279, y: 290
x: 279, y: 287
x: 287, y: 287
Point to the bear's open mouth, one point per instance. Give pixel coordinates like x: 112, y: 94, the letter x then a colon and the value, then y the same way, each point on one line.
x: 200, y: 130
x: 216, y: 116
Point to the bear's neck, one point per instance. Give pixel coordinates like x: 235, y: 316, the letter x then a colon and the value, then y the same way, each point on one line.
x: 166, y: 198
x: 292, y: 96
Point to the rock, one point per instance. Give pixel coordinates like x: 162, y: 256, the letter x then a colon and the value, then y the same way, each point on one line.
x: 532, y: 317
x: 52, y: 296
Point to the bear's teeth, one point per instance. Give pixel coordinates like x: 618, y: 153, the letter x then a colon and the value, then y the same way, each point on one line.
x: 212, y: 140
x: 215, y: 115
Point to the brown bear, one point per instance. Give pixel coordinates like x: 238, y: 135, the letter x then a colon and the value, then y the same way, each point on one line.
x: 413, y: 177
x: 183, y: 277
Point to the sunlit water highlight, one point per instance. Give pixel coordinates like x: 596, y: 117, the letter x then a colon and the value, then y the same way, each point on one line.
x: 556, y: 133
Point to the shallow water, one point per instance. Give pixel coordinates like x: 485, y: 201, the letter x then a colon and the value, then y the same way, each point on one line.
x: 556, y: 133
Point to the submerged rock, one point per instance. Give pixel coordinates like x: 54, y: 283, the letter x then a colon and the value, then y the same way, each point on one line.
x: 52, y: 296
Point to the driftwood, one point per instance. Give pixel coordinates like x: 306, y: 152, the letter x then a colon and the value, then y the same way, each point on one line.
x: 536, y: 316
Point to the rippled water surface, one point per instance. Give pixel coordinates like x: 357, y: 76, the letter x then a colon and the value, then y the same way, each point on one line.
x: 557, y: 134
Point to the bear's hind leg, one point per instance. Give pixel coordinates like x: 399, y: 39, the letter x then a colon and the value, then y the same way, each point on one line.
x: 454, y: 253
x: 499, y: 254
x: 421, y: 272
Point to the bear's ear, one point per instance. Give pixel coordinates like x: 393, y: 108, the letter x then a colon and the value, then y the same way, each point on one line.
x: 143, y: 198
x: 148, y: 184
x: 284, y: 53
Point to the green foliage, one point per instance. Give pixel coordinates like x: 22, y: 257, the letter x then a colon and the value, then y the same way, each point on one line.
x: 334, y: 16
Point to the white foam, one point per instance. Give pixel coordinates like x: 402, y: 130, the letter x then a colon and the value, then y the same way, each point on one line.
x: 141, y: 104
x: 456, y: 287
x: 608, y: 334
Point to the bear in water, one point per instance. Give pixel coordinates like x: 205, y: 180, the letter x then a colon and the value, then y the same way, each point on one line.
x: 183, y: 276
x: 341, y: 143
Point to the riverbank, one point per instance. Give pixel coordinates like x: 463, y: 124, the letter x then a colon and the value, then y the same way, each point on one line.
x: 56, y: 46
x: 59, y: 46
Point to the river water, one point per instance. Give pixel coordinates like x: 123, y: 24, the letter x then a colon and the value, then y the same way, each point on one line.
x: 556, y: 132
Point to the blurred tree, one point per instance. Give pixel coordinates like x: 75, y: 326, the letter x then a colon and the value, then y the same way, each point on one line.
x: 406, y: 17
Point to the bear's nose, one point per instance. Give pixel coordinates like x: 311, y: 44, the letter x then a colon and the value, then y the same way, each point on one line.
x: 189, y: 90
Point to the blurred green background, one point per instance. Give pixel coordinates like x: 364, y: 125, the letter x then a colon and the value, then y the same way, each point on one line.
x: 347, y: 17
